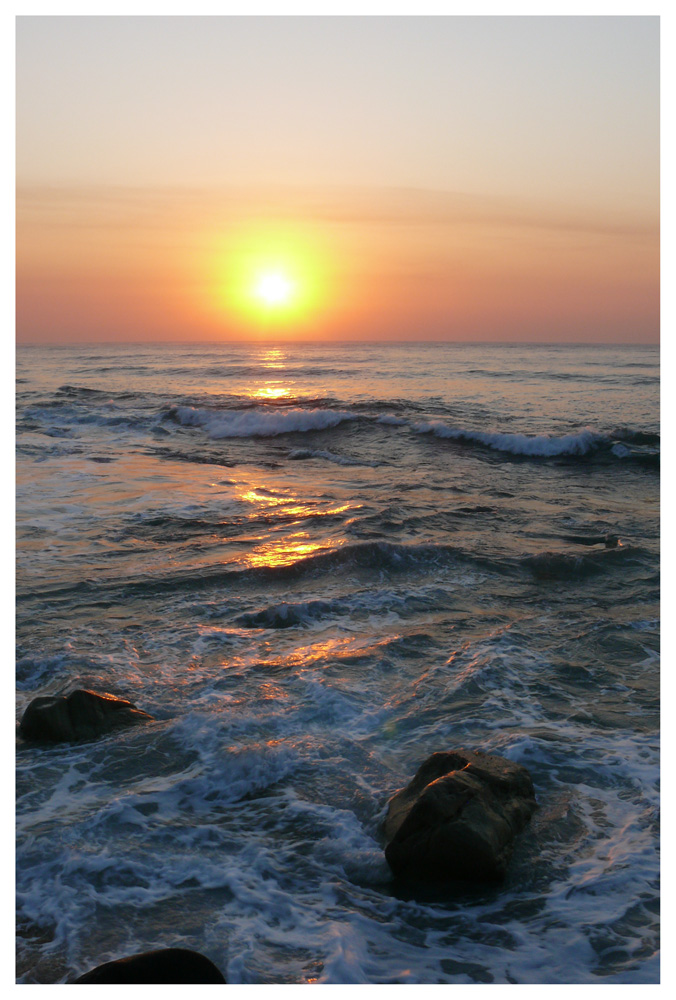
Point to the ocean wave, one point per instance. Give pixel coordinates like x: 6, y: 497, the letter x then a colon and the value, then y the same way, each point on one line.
x: 372, y: 602
x: 569, y: 566
x: 58, y: 417
x: 533, y: 374
x: 257, y: 422
x: 299, y: 454
x: 41, y: 452
x: 192, y: 457
x: 377, y: 557
x: 86, y: 395
x: 649, y: 459
x: 33, y: 671
x: 630, y: 436
x: 382, y: 558
x: 77, y: 390
x: 289, y: 615
x: 624, y: 444
x: 389, y: 418
x: 536, y: 446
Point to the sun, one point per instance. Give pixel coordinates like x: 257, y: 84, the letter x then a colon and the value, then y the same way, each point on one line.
x: 269, y: 278
x: 274, y: 288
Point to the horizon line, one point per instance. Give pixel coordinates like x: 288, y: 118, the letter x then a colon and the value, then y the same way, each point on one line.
x: 324, y: 343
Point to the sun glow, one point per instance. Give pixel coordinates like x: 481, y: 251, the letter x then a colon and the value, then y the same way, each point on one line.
x: 274, y: 289
x: 270, y: 278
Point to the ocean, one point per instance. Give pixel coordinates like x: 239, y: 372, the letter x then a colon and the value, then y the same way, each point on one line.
x: 315, y: 565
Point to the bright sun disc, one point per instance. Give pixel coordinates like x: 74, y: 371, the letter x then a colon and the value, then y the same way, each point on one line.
x: 274, y: 289
x: 267, y: 279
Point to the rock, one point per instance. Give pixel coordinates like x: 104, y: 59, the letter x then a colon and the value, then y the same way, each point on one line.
x: 166, y: 966
x: 82, y: 715
x: 458, y: 817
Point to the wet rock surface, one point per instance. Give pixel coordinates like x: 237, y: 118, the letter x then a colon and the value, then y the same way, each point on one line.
x: 458, y: 817
x: 81, y: 715
x: 165, y: 966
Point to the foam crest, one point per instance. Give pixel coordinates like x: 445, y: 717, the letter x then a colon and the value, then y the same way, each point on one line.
x: 31, y: 671
x: 536, y: 446
x: 391, y: 420
x: 257, y: 422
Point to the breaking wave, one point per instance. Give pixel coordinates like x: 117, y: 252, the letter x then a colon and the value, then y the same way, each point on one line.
x: 624, y: 444
x: 257, y: 422
x: 544, y: 445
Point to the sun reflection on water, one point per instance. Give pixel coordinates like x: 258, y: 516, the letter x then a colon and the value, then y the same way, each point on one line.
x: 304, y: 656
x: 283, y: 510
x: 264, y: 498
x: 273, y: 358
x: 257, y: 497
x: 271, y: 390
x: 288, y: 550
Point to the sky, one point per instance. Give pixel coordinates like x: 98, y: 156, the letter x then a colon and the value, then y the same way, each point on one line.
x: 404, y: 178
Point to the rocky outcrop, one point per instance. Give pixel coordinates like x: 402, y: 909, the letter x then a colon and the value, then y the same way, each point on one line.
x: 458, y: 817
x: 82, y: 715
x: 167, y: 966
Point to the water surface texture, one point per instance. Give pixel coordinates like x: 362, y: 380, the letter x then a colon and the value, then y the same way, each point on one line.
x: 315, y: 566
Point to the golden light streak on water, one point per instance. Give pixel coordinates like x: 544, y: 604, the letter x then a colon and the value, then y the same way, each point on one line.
x: 273, y: 358
x: 271, y: 390
x: 303, y: 656
x: 288, y: 550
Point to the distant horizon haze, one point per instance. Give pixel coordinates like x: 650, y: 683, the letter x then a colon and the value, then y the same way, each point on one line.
x: 287, y: 342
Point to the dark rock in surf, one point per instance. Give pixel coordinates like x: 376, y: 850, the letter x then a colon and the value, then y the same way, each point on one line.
x: 82, y: 715
x: 166, y: 966
x: 457, y: 818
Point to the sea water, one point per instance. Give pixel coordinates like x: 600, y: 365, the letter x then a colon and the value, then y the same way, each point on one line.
x: 315, y: 565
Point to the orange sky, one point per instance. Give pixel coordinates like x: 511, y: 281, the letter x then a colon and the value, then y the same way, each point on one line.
x: 513, y: 201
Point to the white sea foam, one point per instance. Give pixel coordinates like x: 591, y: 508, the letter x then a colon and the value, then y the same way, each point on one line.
x: 389, y: 418
x: 543, y: 445
x: 258, y: 422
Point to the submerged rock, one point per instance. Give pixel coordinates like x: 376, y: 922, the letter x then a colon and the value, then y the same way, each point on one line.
x: 81, y: 715
x: 166, y: 966
x: 458, y: 817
